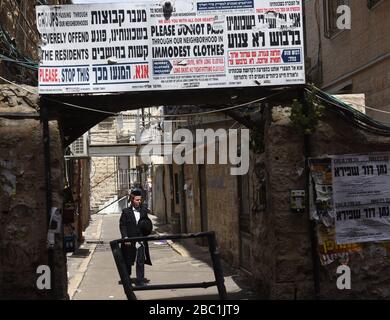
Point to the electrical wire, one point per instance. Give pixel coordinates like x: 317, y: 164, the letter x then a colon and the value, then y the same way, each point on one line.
x: 13, y: 51
x: 159, y: 117
x: 355, y: 117
x: 359, y: 119
x: 80, y: 107
x: 18, y: 86
x: 23, y: 64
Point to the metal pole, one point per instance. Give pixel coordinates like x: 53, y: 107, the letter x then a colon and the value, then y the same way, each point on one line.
x: 217, y: 265
x: 121, y: 266
x: 47, y: 169
x: 129, y: 290
x: 313, y: 226
x: 203, y: 285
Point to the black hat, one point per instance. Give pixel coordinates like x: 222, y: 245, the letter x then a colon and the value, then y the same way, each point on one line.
x: 136, y: 192
x: 146, y: 226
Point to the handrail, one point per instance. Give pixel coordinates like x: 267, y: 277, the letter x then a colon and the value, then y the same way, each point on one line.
x: 111, y: 174
x: 117, y: 200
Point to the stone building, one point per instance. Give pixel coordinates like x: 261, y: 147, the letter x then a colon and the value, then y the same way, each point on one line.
x: 351, y: 60
x: 23, y: 217
x: 283, y: 262
x: 23, y: 188
x: 201, y: 197
x: 114, y: 146
x: 256, y: 228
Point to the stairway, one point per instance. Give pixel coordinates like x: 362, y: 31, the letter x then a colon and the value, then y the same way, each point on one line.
x: 103, y: 202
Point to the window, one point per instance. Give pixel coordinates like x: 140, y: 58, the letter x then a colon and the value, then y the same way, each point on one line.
x: 106, y: 124
x: 331, y: 16
x: 372, y: 3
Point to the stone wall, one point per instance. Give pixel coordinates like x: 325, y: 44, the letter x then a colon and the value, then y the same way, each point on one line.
x: 17, y: 19
x: 291, y: 256
x: 192, y: 198
x: 103, y: 180
x: 222, y: 210
x: 283, y: 265
x: 370, y: 272
x: 23, y: 219
x: 158, y: 192
x: 103, y: 173
x: 262, y: 230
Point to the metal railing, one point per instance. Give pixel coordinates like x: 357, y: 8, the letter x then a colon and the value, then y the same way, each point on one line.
x: 125, y: 178
x: 214, y: 252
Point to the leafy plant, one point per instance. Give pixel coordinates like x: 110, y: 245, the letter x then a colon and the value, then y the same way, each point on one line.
x: 305, y: 115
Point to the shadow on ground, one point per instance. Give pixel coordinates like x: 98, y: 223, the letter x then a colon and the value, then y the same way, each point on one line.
x: 81, y: 253
x: 199, y: 249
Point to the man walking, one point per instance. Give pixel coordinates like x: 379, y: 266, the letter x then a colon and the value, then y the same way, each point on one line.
x: 134, y: 222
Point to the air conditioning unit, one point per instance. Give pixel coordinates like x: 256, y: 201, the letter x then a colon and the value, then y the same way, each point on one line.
x: 79, y: 148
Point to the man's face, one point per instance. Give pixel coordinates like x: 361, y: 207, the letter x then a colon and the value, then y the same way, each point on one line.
x: 136, y: 201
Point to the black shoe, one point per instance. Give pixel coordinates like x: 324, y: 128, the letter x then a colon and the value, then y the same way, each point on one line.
x: 132, y: 280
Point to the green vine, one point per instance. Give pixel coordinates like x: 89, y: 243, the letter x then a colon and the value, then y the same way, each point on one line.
x: 305, y: 117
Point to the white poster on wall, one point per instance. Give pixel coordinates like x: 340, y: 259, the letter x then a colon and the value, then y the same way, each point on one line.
x: 118, y: 47
x: 361, y: 195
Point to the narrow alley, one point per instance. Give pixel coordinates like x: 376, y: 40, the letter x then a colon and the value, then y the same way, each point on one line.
x: 93, y: 275
x: 261, y: 125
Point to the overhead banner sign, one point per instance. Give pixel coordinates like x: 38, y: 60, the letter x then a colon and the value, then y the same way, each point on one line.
x: 361, y: 195
x: 120, y: 47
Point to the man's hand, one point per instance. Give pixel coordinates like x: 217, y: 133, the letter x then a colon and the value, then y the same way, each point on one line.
x: 127, y: 243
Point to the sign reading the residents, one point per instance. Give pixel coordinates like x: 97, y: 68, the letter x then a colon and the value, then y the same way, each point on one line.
x: 361, y: 195
x: 203, y: 44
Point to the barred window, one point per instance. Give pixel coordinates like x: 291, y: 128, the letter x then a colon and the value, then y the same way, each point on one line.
x: 331, y: 16
x: 106, y: 124
x: 372, y: 3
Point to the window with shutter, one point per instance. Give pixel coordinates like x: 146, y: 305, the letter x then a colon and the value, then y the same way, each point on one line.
x: 331, y: 16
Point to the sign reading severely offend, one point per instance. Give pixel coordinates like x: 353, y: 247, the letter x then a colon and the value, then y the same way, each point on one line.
x: 196, y: 44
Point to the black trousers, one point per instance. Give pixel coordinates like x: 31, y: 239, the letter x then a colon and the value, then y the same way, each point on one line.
x: 139, y: 263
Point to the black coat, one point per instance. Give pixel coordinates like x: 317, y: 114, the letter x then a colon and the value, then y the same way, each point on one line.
x: 129, y: 228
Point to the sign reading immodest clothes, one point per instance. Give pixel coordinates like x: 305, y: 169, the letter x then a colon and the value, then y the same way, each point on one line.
x: 117, y: 47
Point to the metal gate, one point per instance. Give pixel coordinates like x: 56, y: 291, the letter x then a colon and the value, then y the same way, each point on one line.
x: 217, y: 267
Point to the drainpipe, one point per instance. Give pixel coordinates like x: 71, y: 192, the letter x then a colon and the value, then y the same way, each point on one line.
x: 183, y: 209
x: 47, y: 169
x: 80, y: 203
x: 307, y: 151
x: 313, y: 226
x: 165, y: 196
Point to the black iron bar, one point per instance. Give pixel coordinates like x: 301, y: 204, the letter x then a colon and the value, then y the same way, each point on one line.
x: 218, y: 273
x: 176, y: 286
x: 164, y: 237
x: 215, y: 257
x: 121, y: 266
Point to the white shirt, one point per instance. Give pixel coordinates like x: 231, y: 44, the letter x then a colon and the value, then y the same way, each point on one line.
x: 137, y: 214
